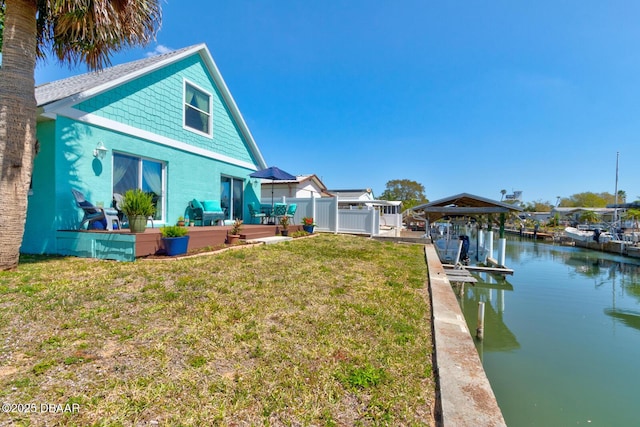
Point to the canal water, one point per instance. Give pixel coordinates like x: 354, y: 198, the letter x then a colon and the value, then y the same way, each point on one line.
x: 562, y: 336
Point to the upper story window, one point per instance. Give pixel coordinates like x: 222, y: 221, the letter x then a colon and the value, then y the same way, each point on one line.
x: 197, y: 109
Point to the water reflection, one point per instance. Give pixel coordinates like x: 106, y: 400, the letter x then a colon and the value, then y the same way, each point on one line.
x: 627, y: 317
x: 562, y: 335
x: 490, y: 290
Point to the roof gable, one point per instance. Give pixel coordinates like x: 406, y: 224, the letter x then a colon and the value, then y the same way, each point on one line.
x: 79, y: 92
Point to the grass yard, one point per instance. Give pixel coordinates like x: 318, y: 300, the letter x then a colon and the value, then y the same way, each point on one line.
x: 324, y: 331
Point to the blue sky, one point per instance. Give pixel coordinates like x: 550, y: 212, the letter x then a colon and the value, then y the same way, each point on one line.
x: 460, y: 96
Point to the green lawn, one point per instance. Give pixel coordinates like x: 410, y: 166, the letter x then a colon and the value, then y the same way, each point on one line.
x: 328, y: 331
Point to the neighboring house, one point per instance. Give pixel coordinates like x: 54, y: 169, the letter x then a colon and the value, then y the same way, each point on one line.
x: 573, y: 214
x: 166, y: 124
x: 352, y: 198
x: 304, y: 186
x: 536, y: 216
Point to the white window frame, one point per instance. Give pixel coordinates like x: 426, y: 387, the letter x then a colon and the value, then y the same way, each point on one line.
x: 184, y: 109
x: 163, y: 165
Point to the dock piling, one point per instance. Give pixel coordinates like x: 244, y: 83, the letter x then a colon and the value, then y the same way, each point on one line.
x: 480, y: 329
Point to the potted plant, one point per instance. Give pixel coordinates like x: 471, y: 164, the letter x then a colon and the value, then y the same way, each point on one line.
x: 180, y: 222
x: 138, y: 207
x: 175, y: 239
x: 308, y: 224
x: 234, y: 233
x: 284, y: 222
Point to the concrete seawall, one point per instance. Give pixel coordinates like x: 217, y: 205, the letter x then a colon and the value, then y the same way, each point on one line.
x: 465, y: 395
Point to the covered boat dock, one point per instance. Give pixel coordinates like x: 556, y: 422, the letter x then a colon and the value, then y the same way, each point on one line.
x: 465, y: 205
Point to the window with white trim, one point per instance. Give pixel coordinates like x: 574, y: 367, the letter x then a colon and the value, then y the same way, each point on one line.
x: 131, y: 172
x: 197, y: 109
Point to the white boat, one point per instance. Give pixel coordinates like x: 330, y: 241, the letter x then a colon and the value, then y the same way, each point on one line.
x: 447, y: 248
x: 582, y: 235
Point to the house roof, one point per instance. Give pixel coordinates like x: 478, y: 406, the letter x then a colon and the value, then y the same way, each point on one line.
x: 463, y: 204
x: 75, y: 85
x: 301, y: 179
x: 66, y: 92
x: 353, y: 194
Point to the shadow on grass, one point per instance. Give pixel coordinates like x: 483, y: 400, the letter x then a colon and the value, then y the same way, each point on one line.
x: 36, y: 259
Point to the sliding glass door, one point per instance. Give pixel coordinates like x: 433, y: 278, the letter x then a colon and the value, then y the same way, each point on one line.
x: 232, y: 197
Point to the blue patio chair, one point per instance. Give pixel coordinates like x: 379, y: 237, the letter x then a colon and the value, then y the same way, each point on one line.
x: 291, y: 211
x: 96, y: 218
x: 279, y: 210
x: 255, y: 213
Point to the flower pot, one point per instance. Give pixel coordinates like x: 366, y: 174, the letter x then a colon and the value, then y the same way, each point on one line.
x: 138, y: 223
x: 308, y: 228
x: 284, y: 232
x: 176, y: 245
x: 232, y: 239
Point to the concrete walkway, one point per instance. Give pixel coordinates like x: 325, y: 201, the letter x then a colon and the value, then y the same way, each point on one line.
x: 466, y: 397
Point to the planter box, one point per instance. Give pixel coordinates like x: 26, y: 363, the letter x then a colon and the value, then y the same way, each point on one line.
x: 176, y: 245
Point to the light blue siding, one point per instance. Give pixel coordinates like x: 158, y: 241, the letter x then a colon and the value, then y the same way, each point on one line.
x: 152, y: 103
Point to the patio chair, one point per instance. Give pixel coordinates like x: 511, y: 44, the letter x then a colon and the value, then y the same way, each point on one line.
x: 279, y: 210
x: 291, y: 211
x: 255, y: 212
x: 117, y: 205
x: 96, y: 218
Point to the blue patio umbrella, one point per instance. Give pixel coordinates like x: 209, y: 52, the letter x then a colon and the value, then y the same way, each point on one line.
x: 274, y: 174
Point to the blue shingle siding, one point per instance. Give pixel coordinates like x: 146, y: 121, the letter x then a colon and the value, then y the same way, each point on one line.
x: 154, y: 103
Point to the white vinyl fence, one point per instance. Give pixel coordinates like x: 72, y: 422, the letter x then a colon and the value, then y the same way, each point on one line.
x: 329, y: 218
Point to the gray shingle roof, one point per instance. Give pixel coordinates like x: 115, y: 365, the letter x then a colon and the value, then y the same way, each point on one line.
x: 60, y: 89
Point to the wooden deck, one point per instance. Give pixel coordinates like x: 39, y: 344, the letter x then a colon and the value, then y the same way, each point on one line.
x: 123, y: 245
x: 149, y: 242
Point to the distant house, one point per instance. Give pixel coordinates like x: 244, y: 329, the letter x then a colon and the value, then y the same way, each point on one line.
x: 363, y: 198
x: 353, y: 197
x: 165, y: 124
x: 573, y: 214
x: 304, y: 186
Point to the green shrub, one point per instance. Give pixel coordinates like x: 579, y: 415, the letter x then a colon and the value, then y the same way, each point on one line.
x: 173, y: 231
x: 138, y: 203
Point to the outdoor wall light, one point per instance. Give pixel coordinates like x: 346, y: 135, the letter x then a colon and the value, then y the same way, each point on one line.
x: 100, y: 151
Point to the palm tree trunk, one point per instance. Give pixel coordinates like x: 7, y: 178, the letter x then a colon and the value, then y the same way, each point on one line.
x: 17, y: 124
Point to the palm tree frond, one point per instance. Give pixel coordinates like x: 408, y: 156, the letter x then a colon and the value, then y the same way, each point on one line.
x: 90, y: 31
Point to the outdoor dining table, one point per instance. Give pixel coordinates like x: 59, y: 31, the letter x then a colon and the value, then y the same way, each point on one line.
x: 267, y: 210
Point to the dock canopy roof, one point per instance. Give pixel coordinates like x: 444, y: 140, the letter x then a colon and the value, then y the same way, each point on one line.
x: 463, y: 204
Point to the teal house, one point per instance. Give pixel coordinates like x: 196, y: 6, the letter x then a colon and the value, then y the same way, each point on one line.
x: 165, y: 124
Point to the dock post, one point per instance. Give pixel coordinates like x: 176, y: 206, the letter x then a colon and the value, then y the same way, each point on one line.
x: 480, y: 329
x: 502, y: 251
x: 489, y: 244
x: 458, y: 253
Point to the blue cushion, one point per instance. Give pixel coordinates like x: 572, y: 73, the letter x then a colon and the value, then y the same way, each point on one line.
x: 195, y: 204
x: 212, y: 206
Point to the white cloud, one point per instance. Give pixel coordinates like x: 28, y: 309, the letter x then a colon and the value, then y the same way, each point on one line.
x: 159, y: 50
